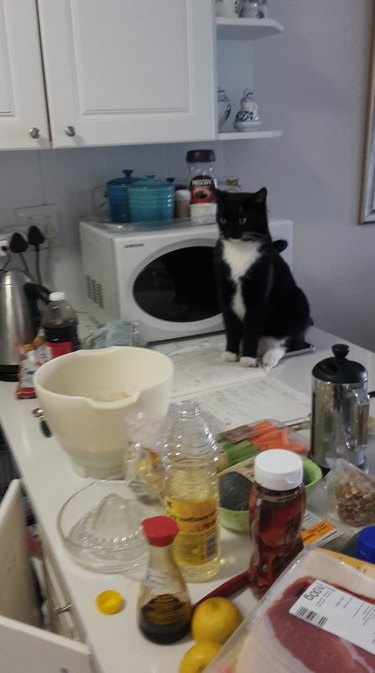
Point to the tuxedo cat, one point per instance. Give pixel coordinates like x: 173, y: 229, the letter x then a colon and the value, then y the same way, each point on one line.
x: 264, y: 311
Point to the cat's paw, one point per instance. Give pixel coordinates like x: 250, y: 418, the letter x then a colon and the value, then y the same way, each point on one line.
x: 227, y: 356
x: 246, y: 361
x: 272, y: 357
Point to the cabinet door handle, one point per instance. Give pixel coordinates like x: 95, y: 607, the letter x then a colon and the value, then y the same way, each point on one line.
x: 70, y: 131
x: 34, y: 132
x: 64, y: 608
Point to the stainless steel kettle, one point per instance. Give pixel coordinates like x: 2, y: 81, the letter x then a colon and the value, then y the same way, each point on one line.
x: 21, y: 305
x: 340, y: 408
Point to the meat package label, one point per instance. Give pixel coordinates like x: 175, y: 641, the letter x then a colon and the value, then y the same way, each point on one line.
x: 338, y: 612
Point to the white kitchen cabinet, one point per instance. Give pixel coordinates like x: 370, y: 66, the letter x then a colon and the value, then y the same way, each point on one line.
x: 106, y: 72
x: 80, y: 73
x: 128, y: 72
x: 24, y: 645
x: 23, y: 112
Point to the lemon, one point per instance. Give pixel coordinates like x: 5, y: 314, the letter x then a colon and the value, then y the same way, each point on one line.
x: 197, y: 658
x: 215, y: 619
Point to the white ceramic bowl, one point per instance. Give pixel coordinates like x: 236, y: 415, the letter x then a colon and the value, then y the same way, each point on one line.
x: 88, y: 395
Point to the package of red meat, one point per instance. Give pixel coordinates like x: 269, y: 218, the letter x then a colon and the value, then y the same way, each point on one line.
x: 318, y: 617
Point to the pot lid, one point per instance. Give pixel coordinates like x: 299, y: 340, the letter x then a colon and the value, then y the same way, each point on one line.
x: 150, y: 182
x: 126, y: 180
x: 338, y: 369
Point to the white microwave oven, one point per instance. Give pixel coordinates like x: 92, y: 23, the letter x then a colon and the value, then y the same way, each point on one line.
x: 163, y: 278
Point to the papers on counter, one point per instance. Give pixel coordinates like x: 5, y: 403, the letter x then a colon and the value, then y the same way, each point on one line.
x: 229, y: 394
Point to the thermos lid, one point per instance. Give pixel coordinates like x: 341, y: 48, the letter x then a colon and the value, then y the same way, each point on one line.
x: 278, y: 470
x: 366, y: 545
x: 200, y: 156
x: 338, y: 369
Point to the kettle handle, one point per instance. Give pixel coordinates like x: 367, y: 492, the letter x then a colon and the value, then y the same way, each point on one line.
x: 38, y: 298
x: 362, y: 403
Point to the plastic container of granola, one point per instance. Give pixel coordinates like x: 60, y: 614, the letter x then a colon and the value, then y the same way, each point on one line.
x: 347, y: 494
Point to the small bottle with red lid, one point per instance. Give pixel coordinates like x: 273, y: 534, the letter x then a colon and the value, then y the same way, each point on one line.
x: 163, y: 607
x: 276, y: 510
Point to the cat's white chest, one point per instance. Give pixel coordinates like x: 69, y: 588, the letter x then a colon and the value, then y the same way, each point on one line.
x: 240, y: 256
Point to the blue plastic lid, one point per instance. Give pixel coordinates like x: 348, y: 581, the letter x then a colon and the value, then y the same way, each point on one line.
x: 366, y: 545
x: 151, y: 183
x: 126, y: 180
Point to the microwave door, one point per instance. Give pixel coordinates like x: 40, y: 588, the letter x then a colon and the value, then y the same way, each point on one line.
x: 179, y: 286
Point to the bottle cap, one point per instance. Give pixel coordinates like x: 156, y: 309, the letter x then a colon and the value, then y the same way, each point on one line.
x: 200, y: 156
x: 366, y: 544
x: 278, y: 470
x: 57, y: 296
x: 109, y: 602
x: 160, y: 530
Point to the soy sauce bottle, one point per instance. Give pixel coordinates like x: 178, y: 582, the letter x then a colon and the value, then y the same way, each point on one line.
x: 163, y: 607
x: 276, y: 509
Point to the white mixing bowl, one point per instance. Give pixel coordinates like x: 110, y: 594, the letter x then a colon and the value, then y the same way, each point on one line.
x: 88, y: 395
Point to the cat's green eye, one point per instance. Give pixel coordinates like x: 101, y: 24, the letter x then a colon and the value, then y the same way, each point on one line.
x: 222, y: 220
x: 242, y: 220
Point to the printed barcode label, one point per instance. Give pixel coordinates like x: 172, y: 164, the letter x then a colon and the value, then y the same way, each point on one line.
x: 310, y: 616
x: 339, y: 612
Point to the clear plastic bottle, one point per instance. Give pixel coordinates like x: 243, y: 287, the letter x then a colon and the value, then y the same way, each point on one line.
x: 191, y: 492
x: 163, y: 607
x: 59, y: 323
x: 202, y: 186
x: 276, y: 509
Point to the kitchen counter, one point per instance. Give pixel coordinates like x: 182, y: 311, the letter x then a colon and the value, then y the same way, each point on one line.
x: 49, y: 480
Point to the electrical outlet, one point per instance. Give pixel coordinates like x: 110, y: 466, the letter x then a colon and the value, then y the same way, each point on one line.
x: 45, y: 217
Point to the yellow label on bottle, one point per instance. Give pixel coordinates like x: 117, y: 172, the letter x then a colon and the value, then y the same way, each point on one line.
x: 197, y: 540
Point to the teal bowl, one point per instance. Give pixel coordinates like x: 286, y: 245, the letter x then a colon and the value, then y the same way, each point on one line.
x: 151, y: 200
x: 238, y: 520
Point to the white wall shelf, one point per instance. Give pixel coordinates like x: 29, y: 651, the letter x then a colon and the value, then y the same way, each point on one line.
x: 246, y: 29
x: 249, y: 135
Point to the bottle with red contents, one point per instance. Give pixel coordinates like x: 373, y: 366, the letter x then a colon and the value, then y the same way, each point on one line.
x: 277, y: 506
x: 59, y: 323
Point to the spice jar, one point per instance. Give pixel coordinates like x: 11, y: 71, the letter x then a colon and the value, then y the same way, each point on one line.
x: 276, y: 509
x: 163, y: 608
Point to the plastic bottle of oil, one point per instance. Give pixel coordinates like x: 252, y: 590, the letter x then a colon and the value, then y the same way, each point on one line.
x: 191, y: 492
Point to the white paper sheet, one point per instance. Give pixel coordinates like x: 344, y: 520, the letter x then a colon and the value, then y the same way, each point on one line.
x: 230, y: 395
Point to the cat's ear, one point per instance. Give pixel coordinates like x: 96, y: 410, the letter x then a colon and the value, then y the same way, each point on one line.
x: 280, y: 245
x: 261, y: 195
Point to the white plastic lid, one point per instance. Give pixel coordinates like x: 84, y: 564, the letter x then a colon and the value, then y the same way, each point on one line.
x: 57, y: 296
x: 278, y: 470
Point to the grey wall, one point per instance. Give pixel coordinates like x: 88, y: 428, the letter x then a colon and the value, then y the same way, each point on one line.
x: 315, y: 75
x: 311, y: 81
